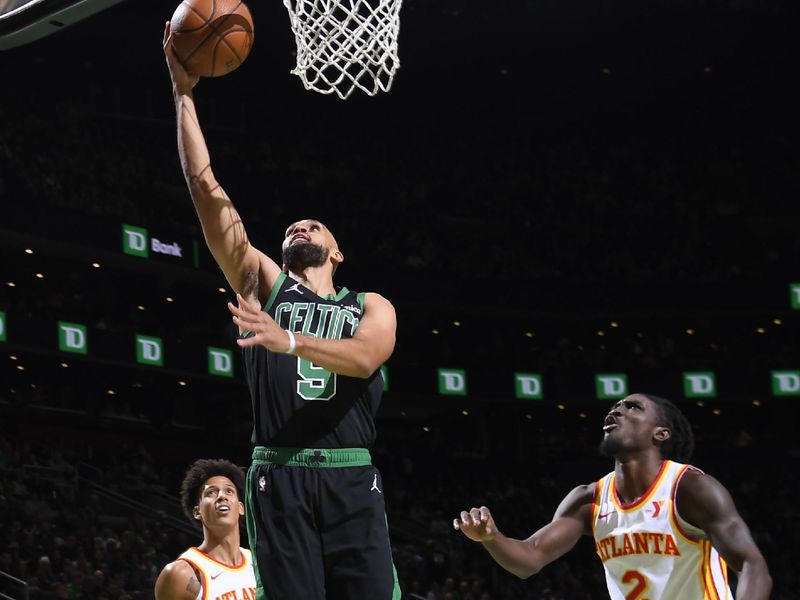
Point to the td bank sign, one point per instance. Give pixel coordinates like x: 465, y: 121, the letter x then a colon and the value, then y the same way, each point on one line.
x: 137, y: 241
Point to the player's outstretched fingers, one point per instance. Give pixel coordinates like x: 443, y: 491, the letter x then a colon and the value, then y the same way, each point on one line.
x: 245, y: 306
x: 240, y: 318
x: 246, y: 312
x: 235, y: 310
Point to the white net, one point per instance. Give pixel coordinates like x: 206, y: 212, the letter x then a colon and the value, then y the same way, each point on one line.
x: 343, y: 45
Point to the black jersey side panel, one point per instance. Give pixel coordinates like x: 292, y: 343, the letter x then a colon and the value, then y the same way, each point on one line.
x: 298, y: 404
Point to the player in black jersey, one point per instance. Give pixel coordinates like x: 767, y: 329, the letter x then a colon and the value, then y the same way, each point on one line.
x: 312, y: 355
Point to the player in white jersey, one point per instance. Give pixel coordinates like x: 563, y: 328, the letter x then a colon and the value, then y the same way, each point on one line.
x: 664, y: 530
x: 219, y: 567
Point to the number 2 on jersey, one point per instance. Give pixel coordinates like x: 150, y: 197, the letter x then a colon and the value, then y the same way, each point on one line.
x: 314, y: 383
x: 637, y: 593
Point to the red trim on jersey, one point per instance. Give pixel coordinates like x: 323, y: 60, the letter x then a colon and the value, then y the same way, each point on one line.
x: 239, y: 567
x: 702, y: 572
x: 709, y: 572
x: 645, y: 497
x: 723, y: 566
x: 674, y: 508
x: 598, y: 490
x: 198, y: 569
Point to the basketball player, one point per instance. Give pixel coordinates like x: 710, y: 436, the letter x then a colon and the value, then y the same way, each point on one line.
x: 218, y: 568
x: 312, y: 356
x: 664, y: 530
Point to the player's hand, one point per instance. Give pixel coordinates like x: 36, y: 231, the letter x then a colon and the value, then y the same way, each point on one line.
x: 182, y: 80
x: 477, y: 524
x: 266, y: 332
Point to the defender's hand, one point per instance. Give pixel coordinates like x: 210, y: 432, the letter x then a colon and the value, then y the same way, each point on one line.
x: 182, y: 80
x: 477, y: 524
x: 266, y: 332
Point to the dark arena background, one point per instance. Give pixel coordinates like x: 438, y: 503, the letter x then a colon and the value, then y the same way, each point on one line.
x: 597, y: 195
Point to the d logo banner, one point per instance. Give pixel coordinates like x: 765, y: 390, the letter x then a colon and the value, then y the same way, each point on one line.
x: 452, y: 382
x: 786, y: 383
x: 528, y: 386
x: 699, y: 385
x: 220, y: 362
x: 611, y: 386
x: 149, y: 350
x: 72, y: 338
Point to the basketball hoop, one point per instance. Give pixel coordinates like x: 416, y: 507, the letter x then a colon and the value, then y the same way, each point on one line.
x: 345, y: 44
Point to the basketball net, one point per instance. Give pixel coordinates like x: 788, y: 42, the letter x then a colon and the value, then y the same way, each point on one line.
x: 343, y: 45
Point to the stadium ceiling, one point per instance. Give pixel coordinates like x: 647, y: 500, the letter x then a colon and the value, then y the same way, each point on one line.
x: 25, y: 21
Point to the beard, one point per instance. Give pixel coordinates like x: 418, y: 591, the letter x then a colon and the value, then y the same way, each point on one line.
x: 609, y: 446
x: 299, y: 257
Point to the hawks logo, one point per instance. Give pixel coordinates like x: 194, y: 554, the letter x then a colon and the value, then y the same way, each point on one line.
x: 655, y: 508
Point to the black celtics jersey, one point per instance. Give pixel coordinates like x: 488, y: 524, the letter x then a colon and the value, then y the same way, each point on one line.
x: 295, y: 402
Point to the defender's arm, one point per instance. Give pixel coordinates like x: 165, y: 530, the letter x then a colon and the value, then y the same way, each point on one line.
x: 527, y: 557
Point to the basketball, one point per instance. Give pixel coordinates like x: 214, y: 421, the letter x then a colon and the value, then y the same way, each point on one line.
x: 211, y: 38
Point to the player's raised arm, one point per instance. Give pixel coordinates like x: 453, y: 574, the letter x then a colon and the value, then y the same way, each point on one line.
x: 705, y: 502
x: 248, y: 271
x: 359, y: 356
x: 527, y: 557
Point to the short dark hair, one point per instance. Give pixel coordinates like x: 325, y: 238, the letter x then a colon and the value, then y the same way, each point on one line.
x: 680, y: 445
x: 201, y: 471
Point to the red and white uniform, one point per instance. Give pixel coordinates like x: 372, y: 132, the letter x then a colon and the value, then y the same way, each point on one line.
x: 648, y: 551
x: 223, y: 582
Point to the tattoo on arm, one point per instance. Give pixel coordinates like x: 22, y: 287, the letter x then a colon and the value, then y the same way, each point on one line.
x: 193, y: 587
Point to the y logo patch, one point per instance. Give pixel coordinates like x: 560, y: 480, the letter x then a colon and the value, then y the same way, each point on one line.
x: 656, y: 510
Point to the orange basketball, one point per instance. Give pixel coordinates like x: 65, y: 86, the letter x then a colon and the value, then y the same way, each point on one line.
x: 212, y: 37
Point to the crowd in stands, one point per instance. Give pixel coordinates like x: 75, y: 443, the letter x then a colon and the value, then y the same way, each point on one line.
x: 579, y: 224
x: 484, y: 210
x: 580, y: 208
x: 58, y: 538
x: 66, y: 541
